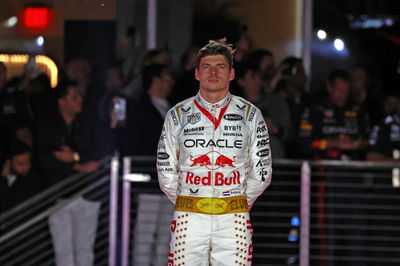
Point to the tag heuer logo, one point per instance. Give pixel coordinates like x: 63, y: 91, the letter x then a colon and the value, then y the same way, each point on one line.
x: 194, y: 118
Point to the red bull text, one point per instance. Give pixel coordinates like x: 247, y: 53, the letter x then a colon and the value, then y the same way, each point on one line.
x: 219, y: 180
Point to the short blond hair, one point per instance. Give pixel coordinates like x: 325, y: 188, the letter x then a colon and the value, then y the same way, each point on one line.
x: 217, y: 47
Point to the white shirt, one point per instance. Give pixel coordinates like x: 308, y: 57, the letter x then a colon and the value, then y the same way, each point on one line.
x: 161, y: 105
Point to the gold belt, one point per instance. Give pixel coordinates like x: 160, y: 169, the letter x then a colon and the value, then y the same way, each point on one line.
x: 211, y: 205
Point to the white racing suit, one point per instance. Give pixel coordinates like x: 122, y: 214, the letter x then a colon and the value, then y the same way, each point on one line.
x: 213, y: 161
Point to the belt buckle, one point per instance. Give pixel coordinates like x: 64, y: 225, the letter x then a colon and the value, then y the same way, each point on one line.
x: 212, y: 205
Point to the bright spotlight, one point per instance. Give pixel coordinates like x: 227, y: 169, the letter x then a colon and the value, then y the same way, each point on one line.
x: 321, y: 34
x: 40, y: 41
x: 11, y: 22
x: 339, y: 44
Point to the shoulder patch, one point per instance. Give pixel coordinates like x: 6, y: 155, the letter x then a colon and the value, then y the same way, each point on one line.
x: 246, y: 104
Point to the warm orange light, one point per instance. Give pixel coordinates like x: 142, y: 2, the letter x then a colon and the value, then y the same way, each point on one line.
x: 43, y: 63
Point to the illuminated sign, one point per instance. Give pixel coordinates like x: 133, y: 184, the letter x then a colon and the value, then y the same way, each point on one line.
x: 36, y: 17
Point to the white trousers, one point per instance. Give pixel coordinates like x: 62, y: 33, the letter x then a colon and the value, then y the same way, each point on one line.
x: 217, y: 240
x: 73, y: 229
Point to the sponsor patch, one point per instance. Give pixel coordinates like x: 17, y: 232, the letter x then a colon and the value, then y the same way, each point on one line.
x: 263, y: 142
x: 193, y: 191
x: 174, y: 118
x: 240, y: 107
x: 186, y: 110
x: 212, y: 160
x: 232, y: 134
x: 194, y: 118
x: 195, y: 129
x: 162, y: 156
x: 261, y: 129
x: 263, y: 153
x: 233, y: 117
x: 220, y: 143
x: 252, y: 114
x: 233, y: 128
x: 219, y: 179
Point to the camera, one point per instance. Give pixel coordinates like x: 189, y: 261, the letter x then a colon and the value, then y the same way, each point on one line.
x: 119, y: 108
x: 290, y: 70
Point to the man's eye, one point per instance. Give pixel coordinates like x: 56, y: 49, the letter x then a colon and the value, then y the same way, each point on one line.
x: 221, y: 67
x: 205, y: 67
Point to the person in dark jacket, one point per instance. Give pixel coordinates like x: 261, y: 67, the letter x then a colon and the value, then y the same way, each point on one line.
x: 146, y: 117
x: 63, y: 144
x: 19, y: 181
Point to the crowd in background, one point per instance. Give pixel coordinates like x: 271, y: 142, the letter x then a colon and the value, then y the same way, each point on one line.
x: 47, y: 134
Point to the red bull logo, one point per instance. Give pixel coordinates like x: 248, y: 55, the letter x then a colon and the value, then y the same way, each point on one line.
x: 202, y: 160
x: 213, y: 160
x: 223, y: 160
x: 219, y: 179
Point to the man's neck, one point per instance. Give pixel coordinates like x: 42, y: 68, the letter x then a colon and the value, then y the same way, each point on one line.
x: 213, y: 97
x: 154, y: 93
x: 68, y: 118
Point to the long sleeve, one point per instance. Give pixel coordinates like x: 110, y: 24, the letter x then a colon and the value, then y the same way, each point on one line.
x: 260, y: 167
x: 167, y: 157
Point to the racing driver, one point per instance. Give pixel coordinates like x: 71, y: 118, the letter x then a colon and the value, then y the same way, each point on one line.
x: 213, y: 161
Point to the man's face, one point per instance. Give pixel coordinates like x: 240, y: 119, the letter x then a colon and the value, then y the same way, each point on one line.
x: 21, y: 164
x: 166, y: 83
x: 214, y: 73
x: 72, y: 102
x: 251, y: 81
x: 339, y: 91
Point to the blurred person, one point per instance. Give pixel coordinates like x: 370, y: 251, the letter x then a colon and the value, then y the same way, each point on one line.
x: 272, y: 105
x: 111, y: 115
x: 127, y: 51
x: 19, y: 180
x: 80, y: 70
x: 264, y: 59
x: 142, y: 131
x: 3, y: 75
x: 133, y: 89
x: 145, y: 117
x: 390, y: 104
x: 37, y: 92
x: 243, y: 45
x: 384, y: 140
x: 65, y: 146
x: 213, y: 162
x: 334, y: 128
x: 15, y: 118
x: 186, y: 86
x: 62, y: 143
x: 363, y: 93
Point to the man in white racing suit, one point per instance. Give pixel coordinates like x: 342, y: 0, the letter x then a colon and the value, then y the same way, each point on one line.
x: 213, y: 161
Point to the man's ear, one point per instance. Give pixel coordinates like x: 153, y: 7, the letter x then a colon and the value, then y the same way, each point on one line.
x: 232, y: 74
x: 196, y: 73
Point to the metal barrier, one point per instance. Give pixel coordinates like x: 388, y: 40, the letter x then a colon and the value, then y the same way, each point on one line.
x: 26, y: 237
x: 314, y: 213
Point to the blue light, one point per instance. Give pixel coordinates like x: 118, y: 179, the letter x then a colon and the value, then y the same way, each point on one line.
x: 293, y: 235
x: 295, y: 221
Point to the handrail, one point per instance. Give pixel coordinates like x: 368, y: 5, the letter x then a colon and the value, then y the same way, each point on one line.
x: 47, y: 212
x: 54, y: 197
x: 47, y: 192
x: 299, y: 162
